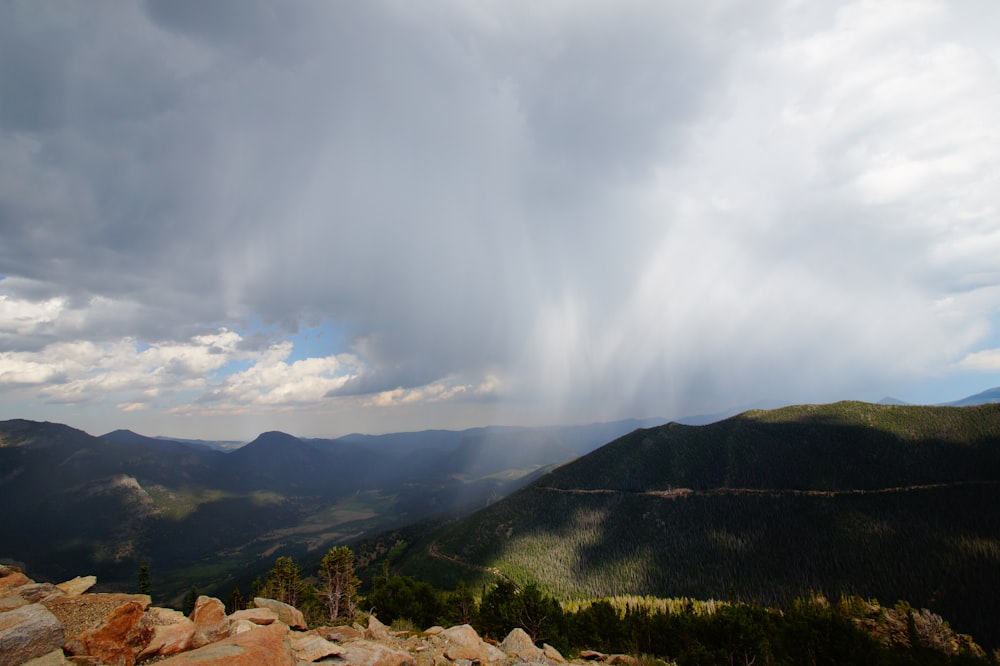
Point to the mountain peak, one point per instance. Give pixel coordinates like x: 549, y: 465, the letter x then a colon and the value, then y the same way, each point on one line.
x: 121, y: 433
x: 275, y: 438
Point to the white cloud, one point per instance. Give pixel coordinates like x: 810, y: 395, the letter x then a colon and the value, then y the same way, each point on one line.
x: 85, y: 372
x: 271, y: 381
x: 987, y: 360
x: 24, y: 317
x: 437, y: 392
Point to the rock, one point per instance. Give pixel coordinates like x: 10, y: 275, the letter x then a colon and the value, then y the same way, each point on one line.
x: 172, y: 632
x: 210, y: 621
x: 458, y: 653
x: 310, y: 647
x: 38, y: 592
x: 78, y: 585
x: 519, y: 644
x: 341, y: 634
x: 240, y: 626
x: 11, y: 602
x: 263, y: 646
x: 28, y: 632
x: 86, y: 612
x: 13, y: 579
x: 54, y: 658
x: 553, y: 654
x: 495, y: 654
x: 287, y: 614
x: 376, y: 630
x: 117, y: 640
x: 434, y: 631
x: 462, y: 642
x: 260, y: 616
x: 370, y: 653
x: 621, y: 660
x: 592, y: 655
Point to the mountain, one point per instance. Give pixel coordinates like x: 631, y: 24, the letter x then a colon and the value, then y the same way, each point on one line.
x: 277, y: 461
x: 218, y: 445
x: 893, y: 502
x: 983, y: 398
x: 204, y: 516
x: 130, y: 438
x: 986, y: 397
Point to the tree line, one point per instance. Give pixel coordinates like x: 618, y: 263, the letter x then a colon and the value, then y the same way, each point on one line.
x: 685, y: 632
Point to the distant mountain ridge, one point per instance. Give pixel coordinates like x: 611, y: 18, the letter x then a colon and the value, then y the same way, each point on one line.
x: 986, y: 397
x: 102, y: 503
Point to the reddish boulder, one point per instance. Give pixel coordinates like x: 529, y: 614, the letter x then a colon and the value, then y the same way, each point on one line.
x: 172, y: 632
x: 78, y: 585
x: 13, y: 579
x: 118, y: 639
x: 370, y: 653
x: 263, y: 646
x: 255, y: 615
x: 210, y: 621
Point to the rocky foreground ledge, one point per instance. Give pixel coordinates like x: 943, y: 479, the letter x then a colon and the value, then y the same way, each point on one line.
x: 42, y: 624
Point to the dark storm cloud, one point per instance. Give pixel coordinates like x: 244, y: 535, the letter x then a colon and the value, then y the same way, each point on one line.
x: 639, y: 202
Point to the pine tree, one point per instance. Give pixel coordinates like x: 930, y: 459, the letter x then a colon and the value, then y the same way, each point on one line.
x: 338, y: 583
x: 190, y: 600
x: 144, y: 582
x: 539, y: 614
x: 283, y: 582
x: 462, y: 605
x: 235, y: 600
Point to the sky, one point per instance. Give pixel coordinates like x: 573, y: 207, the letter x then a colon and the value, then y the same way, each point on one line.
x: 219, y: 218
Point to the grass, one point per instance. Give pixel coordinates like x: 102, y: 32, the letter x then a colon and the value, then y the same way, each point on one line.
x: 179, y: 503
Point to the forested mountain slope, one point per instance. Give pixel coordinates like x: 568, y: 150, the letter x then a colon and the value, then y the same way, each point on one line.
x: 884, y: 501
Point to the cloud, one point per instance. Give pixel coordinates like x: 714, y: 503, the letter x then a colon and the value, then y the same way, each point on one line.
x: 445, y: 391
x: 273, y: 381
x: 641, y: 209
x: 987, y: 360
